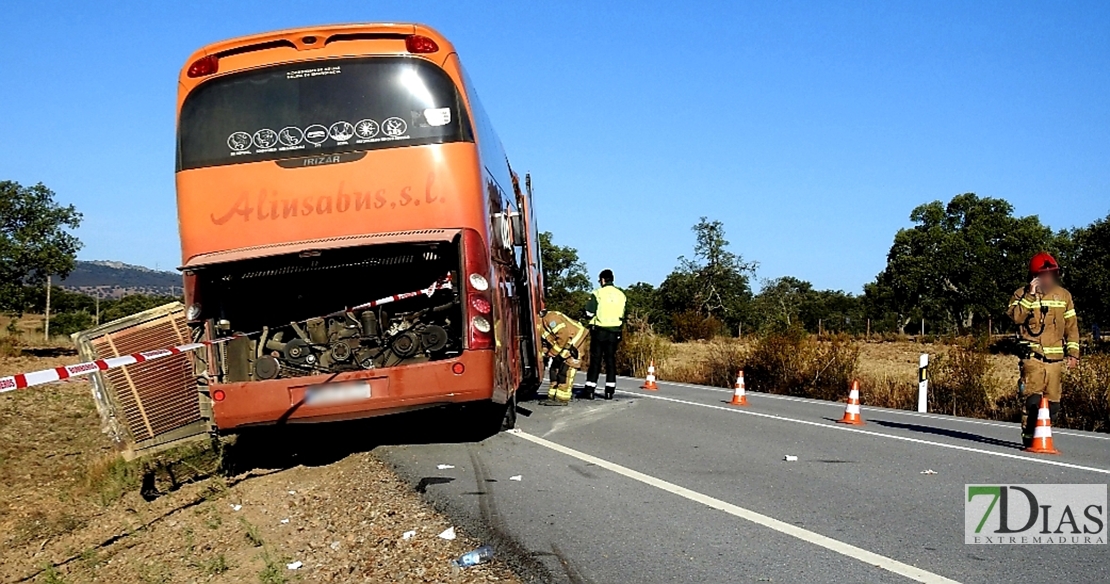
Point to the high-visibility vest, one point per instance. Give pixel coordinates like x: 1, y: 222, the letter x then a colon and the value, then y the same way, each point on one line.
x: 610, y: 307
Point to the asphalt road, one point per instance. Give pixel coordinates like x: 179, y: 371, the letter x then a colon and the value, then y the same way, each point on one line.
x: 678, y: 486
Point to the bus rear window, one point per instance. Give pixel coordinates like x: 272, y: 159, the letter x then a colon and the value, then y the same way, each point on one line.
x: 319, y: 107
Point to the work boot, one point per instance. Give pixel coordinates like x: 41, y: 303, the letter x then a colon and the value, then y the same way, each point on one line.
x: 554, y: 402
x: 588, y: 392
x: 609, y: 391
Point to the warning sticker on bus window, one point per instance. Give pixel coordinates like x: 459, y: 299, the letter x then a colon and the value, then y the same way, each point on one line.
x: 333, y: 106
x: 313, y: 72
x: 440, y: 116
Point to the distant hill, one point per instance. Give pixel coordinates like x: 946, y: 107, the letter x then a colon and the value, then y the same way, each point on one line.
x: 118, y: 279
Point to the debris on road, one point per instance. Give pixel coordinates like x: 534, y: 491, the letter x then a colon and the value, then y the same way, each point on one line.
x: 516, y: 478
x: 408, y: 534
x: 236, y: 507
x: 448, y: 534
x: 295, y: 565
x: 445, y: 466
x: 284, y: 521
x: 790, y: 458
x: 929, y: 471
x: 473, y: 558
x: 292, y: 492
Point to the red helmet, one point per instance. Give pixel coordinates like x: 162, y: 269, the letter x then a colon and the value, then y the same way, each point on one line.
x: 1043, y: 262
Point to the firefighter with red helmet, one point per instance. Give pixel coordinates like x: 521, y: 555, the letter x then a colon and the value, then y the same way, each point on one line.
x: 1049, y: 332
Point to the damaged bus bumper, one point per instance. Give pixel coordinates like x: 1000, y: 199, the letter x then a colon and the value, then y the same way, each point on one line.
x: 354, y: 395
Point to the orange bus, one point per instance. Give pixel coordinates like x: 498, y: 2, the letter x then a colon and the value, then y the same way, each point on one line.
x: 323, y: 168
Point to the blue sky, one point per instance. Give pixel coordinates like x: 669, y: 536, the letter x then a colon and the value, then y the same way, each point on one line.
x: 810, y: 129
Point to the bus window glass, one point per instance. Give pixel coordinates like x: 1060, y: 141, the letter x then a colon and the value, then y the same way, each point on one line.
x: 493, y: 154
x: 319, y: 107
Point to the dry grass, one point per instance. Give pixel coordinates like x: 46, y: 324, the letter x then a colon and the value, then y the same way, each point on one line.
x: 1086, y: 401
x: 966, y: 379
x: 888, y: 391
x: 73, y: 510
x: 640, y: 348
x: 795, y: 363
x: 791, y: 363
x: 27, y: 331
x: 964, y: 382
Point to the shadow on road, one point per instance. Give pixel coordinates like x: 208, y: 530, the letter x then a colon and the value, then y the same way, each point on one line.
x: 280, y: 447
x: 949, y: 433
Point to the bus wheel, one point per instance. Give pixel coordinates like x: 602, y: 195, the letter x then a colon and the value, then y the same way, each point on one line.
x: 508, y: 421
x: 493, y: 417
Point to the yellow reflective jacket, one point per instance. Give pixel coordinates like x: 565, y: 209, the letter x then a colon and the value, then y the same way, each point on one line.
x: 606, y: 307
x: 563, y: 336
x: 1046, y: 322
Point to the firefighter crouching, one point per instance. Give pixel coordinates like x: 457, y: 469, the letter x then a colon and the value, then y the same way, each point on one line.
x: 564, y: 339
x: 1049, y: 333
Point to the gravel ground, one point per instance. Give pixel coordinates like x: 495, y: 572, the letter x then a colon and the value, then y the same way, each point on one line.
x: 74, y: 514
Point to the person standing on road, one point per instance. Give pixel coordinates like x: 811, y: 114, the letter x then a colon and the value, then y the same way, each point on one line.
x: 1049, y: 332
x: 606, y: 312
x: 564, y: 339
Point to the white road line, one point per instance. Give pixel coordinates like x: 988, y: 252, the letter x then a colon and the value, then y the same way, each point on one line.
x: 807, y: 400
x: 888, y: 564
x: 833, y: 426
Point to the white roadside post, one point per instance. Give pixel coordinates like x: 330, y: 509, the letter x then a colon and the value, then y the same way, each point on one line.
x: 923, y: 383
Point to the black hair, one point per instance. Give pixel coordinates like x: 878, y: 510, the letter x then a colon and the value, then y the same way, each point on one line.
x: 606, y: 276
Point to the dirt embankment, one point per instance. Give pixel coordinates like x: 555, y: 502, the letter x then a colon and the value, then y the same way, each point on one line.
x: 73, y: 512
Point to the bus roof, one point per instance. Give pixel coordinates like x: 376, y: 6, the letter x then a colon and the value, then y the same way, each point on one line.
x: 311, y: 42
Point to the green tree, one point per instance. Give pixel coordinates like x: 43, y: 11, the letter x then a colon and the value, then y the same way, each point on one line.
x: 1086, y: 269
x: 34, y: 240
x: 131, y: 304
x: 644, y: 303
x: 958, y: 264
x: 788, y: 302
x: 833, y: 311
x: 67, y: 323
x: 566, y: 283
x: 781, y: 301
x: 715, y: 283
x: 61, y: 300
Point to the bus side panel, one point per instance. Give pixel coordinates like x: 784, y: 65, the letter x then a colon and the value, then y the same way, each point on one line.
x: 498, y: 189
x: 505, y: 303
x: 260, y: 203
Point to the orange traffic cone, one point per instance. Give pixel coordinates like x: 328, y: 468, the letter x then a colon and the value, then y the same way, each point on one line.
x: 1042, y: 434
x: 739, y: 398
x: 649, y: 383
x: 851, y: 413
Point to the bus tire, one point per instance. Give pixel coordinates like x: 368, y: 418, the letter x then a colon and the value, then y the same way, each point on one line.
x: 493, y: 418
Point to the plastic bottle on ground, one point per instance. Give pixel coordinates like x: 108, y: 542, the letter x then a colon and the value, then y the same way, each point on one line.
x: 473, y: 558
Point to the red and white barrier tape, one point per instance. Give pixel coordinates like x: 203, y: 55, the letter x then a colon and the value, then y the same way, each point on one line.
x: 22, y: 380
x: 443, y: 284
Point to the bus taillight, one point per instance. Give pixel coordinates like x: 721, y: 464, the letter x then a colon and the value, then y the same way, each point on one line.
x: 478, y: 293
x: 420, y: 44
x: 480, y: 305
x: 204, y: 66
